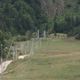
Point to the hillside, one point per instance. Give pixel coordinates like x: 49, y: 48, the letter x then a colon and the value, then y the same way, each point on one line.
x: 46, y: 33
x: 25, y: 17
x: 55, y: 60
x: 19, y: 16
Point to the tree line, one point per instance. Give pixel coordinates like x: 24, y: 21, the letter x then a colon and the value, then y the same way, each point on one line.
x: 25, y: 17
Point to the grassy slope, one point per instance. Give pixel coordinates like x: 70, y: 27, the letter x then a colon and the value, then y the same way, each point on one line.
x: 51, y: 62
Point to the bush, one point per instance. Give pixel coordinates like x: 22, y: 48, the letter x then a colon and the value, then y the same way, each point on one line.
x: 77, y: 36
x: 4, y: 43
x: 20, y: 38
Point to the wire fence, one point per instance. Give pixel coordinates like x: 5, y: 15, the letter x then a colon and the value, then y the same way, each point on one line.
x: 20, y: 50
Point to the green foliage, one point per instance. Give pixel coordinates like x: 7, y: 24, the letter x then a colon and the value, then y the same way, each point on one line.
x: 76, y: 32
x: 4, y: 43
x: 69, y: 24
x: 20, y: 16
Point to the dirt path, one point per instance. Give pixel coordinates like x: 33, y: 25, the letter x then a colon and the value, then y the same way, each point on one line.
x: 4, y: 66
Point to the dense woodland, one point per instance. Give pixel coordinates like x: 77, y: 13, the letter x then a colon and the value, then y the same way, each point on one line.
x: 20, y: 17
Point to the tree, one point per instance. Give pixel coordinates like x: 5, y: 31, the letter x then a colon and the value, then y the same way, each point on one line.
x: 4, y: 43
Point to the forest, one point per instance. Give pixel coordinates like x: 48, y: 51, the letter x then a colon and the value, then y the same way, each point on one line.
x: 39, y: 39
x: 20, y: 16
x: 25, y: 17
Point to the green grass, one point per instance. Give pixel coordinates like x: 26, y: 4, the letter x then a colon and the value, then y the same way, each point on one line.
x: 51, y: 62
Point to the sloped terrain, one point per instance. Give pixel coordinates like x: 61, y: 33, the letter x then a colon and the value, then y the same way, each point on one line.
x: 56, y: 60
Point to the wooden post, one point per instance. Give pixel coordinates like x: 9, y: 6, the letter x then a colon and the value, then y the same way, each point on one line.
x: 44, y: 34
x: 38, y: 34
x: 32, y: 50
